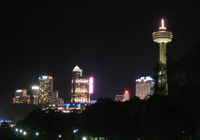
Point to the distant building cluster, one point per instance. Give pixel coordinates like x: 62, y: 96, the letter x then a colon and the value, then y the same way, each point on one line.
x: 144, y: 87
x: 21, y: 97
x: 44, y: 94
x: 81, y: 89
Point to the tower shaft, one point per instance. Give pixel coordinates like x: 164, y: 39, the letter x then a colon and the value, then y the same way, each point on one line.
x: 162, y: 54
x: 162, y: 71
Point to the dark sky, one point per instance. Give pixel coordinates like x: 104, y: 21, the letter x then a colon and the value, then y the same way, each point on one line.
x: 111, y: 41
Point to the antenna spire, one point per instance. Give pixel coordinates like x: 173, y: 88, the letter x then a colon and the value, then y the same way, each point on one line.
x: 162, y: 27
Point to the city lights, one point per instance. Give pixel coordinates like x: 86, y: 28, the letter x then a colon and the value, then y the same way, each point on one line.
x: 16, y: 129
x: 59, y: 136
x: 75, y: 131
x: 24, y: 133
x: 36, y: 134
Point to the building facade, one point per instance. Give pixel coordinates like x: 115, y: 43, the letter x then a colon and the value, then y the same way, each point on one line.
x: 45, y: 89
x: 144, y: 87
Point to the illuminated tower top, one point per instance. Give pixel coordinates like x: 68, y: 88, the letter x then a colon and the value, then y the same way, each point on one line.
x: 162, y: 36
x: 77, y: 72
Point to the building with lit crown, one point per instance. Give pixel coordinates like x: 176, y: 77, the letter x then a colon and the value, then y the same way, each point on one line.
x: 45, y: 89
x: 21, y: 97
x: 81, y: 87
x: 144, y: 87
x: 162, y: 37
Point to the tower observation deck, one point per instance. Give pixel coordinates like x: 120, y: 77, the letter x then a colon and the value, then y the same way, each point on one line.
x: 162, y: 36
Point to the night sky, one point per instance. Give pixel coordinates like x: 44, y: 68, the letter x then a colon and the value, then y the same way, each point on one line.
x: 111, y: 41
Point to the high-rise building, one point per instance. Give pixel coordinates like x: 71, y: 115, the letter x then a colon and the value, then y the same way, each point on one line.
x: 35, y: 92
x: 162, y: 37
x: 45, y: 89
x: 81, y: 87
x: 144, y: 87
x: 21, y: 97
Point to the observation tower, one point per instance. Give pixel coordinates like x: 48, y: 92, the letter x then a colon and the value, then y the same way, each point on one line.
x: 162, y: 36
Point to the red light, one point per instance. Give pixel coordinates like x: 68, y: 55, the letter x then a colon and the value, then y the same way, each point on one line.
x: 126, y: 92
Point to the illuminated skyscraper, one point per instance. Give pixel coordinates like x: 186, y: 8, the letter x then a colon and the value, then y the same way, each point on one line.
x: 144, y: 87
x: 35, y: 91
x: 21, y: 97
x: 45, y: 89
x: 81, y: 87
x: 162, y: 37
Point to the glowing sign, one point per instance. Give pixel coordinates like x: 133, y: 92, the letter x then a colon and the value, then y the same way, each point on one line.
x: 91, y: 85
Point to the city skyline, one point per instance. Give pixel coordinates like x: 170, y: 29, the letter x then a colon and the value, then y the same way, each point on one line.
x: 115, y: 51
